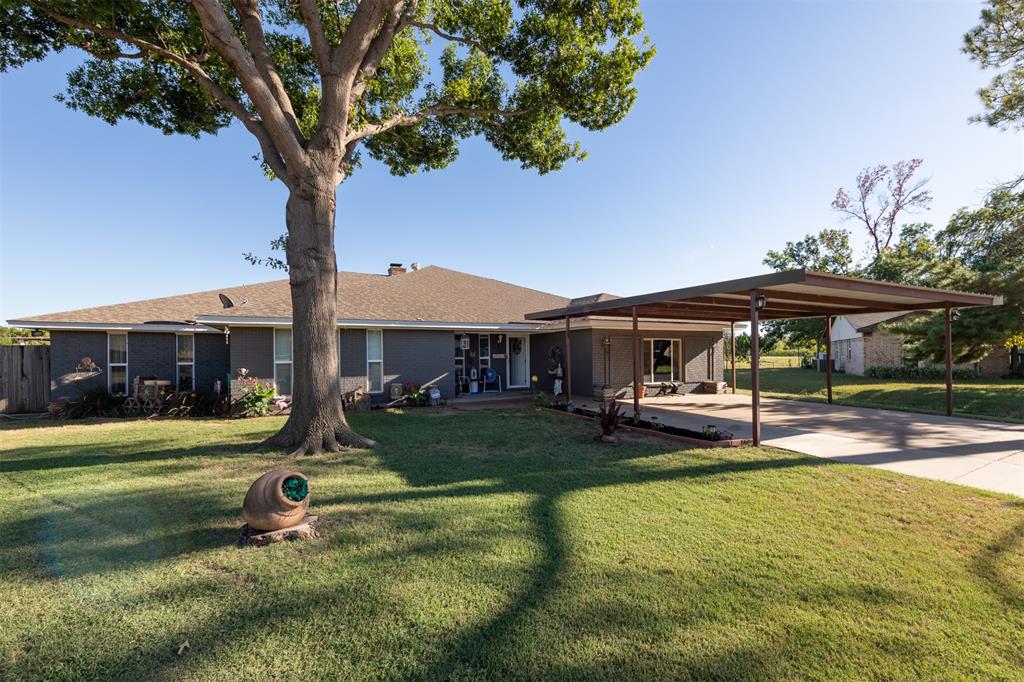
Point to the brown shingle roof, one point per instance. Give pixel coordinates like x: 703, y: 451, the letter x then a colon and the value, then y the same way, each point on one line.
x: 432, y: 294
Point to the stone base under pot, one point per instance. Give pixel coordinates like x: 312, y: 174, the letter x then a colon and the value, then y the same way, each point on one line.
x: 307, y: 530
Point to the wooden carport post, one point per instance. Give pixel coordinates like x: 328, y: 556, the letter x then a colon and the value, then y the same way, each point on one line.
x: 755, y: 370
x: 636, y: 366
x: 568, y: 366
x: 732, y: 339
x: 828, y: 356
x: 949, y: 362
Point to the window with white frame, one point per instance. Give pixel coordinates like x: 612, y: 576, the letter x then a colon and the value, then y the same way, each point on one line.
x: 663, y: 360
x: 485, y: 351
x: 283, y: 361
x: 374, y: 361
x: 186, y: 360
x: 117, y: 363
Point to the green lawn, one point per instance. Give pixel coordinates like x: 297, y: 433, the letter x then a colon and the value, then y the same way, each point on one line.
x: 494, y: 545
x: 1001, y: 399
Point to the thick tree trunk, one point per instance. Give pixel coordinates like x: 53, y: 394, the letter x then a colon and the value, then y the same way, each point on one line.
x: 317, y: 422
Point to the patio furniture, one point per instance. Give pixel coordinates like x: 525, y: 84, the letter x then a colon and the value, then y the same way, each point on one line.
x: 490, y: 376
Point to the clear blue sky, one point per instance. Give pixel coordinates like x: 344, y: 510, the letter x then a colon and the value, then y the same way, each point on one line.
x: 749, y: 118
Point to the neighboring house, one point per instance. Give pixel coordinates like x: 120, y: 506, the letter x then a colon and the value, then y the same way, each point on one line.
x: 858, y: 343
x: 432, y: 325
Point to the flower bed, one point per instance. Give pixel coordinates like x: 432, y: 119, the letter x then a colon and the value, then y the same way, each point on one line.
x: 649, y: 428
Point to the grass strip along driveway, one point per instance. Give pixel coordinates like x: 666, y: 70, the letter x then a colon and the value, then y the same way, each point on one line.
x: 1000, y: 399
x: 501, y: 545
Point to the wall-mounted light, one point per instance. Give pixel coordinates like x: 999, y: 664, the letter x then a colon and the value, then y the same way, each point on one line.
x: 954, y: 315
x: 500, y: 337
x: 607, y: 341
x: 760, y: 302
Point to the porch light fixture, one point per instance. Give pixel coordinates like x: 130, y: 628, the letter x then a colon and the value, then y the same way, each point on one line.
x: 760, y: 302
x: 954, y: 315
x: 607, y: 341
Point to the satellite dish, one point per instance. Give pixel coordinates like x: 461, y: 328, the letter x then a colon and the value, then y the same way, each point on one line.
x: 226, y: 301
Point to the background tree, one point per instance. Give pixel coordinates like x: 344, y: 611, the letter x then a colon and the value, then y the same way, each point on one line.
x: 913, y: 259
x: 827, y: 251
x: 883, y: 193
x: 316, y: 81
x: 998, y: 43
x: 981, y: 250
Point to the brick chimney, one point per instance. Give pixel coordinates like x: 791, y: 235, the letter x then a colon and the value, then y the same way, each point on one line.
x: 395, y: 269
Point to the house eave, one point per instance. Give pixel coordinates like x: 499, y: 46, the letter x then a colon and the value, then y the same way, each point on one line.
x: 435, y: 325
x: 115, y: 327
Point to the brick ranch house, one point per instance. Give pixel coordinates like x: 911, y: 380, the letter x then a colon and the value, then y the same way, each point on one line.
x: 431, y: 325
x: 860, y: 342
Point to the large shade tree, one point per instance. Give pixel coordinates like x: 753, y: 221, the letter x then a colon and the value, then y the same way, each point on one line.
x: 318, y: 82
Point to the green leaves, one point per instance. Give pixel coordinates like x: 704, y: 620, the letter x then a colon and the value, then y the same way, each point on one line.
x: 998, y: 43
x: 514, y: 73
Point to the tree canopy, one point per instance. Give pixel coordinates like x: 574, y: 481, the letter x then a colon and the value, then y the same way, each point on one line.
x: 305, y: 73
x: 997, y: 43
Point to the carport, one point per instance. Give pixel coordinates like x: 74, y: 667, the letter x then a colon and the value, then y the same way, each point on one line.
x: 778, y: 296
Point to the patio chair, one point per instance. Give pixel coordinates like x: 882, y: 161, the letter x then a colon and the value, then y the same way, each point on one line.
x: 490, y: 376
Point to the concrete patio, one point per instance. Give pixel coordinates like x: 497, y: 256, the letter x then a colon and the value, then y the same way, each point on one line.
x: 987, y: 455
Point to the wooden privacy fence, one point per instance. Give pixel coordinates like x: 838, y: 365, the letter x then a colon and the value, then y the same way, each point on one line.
x: 24, y: 379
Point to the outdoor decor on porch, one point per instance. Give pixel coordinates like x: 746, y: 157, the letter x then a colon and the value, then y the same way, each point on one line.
x: 275, y: 509
x: 776, y: 296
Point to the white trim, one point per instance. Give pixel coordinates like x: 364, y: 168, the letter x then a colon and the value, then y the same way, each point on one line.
x: 674, y: 343
x: 508, y: 360
x: 380, y: 362
x: 110, y: 365
x: 178, y: 363
x: 290, y: 362
x: 115, y: 327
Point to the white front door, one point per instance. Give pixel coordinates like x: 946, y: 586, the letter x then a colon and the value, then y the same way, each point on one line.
x: 518, y: 361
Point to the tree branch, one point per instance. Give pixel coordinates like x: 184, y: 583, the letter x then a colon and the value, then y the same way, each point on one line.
x: 229, y: 103
x: 221, y: 36
x: 252, y: 24
x: 402, y: 119
x: 434, y: 28
x: 317, y: 37
x: 393, y: 24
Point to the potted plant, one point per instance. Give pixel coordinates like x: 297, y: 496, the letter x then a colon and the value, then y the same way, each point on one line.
x: 641, y: 389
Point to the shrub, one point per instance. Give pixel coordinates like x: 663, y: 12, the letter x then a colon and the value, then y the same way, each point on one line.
x: 917, y: 373
x: 610, y: 417
x: 414, y: 394
x: 541, y: 399
x: 94, y: 402
x: 197, y: 403
x: 257, y: 398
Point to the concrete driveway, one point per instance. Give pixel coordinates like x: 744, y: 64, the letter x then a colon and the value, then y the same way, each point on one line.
x: 987, y: 455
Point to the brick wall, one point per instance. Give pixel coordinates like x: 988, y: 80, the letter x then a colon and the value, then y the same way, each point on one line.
x: 253, y: 349
x: 423, y: 356
x: 882, y: 349
x: 212, y: 356
x: 66, y: 352
x: 704, y: 356
x: 996, y: 364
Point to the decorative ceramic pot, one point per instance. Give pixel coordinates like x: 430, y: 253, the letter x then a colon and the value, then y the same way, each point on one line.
x: 641, y: 390
x: 277, y: 499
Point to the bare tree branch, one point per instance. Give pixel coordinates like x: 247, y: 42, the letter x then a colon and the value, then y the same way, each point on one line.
x: 402, y: 119
x: 252, y: 24
x: 221, y: 36
x: 270, y: 154
x: 434, y: 28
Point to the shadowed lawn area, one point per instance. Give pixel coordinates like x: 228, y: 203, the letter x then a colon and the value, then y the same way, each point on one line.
x: 497, y: 545
x: 1001, y: 399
